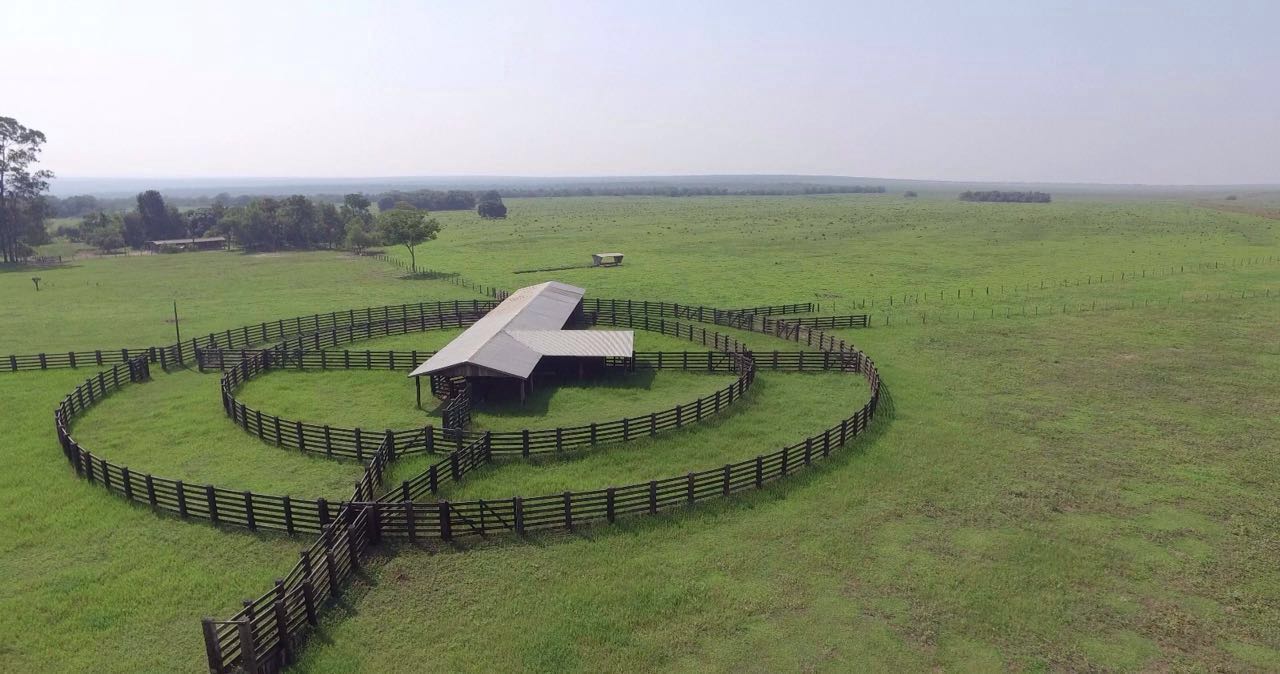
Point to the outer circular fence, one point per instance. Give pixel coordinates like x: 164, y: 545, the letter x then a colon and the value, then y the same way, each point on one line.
x: 265, y: 634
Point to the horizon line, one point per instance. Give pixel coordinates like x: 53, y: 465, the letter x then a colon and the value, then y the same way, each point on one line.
x: 651, y: 176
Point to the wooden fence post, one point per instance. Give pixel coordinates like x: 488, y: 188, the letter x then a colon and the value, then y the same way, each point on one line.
x: 373, y: 524
x: 309, y: 601
x: 212, y: 500
x: 517, y: 511
x: 248, y: 511
x: 248, y: 650
x: 282, y: 631
x: 331, y: 565
x: 212, y: 650
x: 446, y: 524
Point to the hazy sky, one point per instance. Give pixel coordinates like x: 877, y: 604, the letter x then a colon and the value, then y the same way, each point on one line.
x: 1152, y: 92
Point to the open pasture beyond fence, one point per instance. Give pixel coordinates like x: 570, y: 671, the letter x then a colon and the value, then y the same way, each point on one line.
x: 266, y: 634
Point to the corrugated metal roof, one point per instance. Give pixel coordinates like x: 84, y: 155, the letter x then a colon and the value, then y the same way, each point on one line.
x: 489, y: 342
x: 207, y: 239
x: 596, y: 343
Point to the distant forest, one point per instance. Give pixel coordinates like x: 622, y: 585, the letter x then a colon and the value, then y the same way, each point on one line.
x: 257, y: 222
x: 456, y: 200
x: 1013, y: 197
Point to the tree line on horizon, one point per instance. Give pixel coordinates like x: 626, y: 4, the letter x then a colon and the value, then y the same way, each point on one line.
x: 1004, y: 196
x: 255, y: 223
x: 271, y: 222
x: 262, y: 224
x: 75, y: 206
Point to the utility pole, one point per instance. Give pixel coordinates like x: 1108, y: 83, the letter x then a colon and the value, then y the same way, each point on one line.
x: 176, y: 330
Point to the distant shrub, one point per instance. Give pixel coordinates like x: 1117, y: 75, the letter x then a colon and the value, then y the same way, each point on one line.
x: 106, y: 240
x: 1231, y: 197
x: 68, y: 232
x: 491, y: 206
x: 1009, y: 197
x: 910, y: 194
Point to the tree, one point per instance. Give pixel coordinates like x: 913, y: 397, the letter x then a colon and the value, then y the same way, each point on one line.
x: 29, y: 220
x: 491, y: 205
x: 134, y: 233
x: 260, y: 227
x: 19, y: 186
x: 361, y: 236
x: 491, y: 209
x: 910, y: 194
x: 356, y: 202
x: 203, y: 221
x: 106, y: 240
x: 331, y: 228
x: 408, y: 228
x: 356, y: 220
x: 298, y: 222
x: 156, y: 220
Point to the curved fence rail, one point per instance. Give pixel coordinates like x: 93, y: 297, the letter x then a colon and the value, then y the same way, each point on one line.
x: 277, y: 618
x: 265, y: 634
x: 72, y: 359
x: 253, y: 644
x: 250, y: 335
x: 832, y: 322
x: 281, y: 329
x: 218, y: 505
x: 357, y: 443
x: 447, y: 520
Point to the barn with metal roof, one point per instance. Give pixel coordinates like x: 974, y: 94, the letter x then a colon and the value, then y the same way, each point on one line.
x: 531, y: 330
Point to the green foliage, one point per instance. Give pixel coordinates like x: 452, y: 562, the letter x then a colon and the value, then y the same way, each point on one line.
x: 408, y: 228
x: 434, y: 200
x: 22, y: 210
x: 106, y: 239
x: 361, y: 235
x: 1013, y: 197
x: 491, y: 206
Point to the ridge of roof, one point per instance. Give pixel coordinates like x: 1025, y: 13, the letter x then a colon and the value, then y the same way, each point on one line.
x: 487, y: 344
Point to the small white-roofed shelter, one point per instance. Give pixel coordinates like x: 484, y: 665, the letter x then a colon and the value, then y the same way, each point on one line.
x: 606, y: 259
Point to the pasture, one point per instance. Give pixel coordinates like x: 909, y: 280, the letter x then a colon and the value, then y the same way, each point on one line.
x: 1075, y: 469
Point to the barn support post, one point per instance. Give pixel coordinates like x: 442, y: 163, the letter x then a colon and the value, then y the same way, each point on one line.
x: 417, y: 387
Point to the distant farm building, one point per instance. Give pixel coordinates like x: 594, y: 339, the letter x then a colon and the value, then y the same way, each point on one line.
x: 176, y: 245
x: 537, y: 330
x: 606, y: 259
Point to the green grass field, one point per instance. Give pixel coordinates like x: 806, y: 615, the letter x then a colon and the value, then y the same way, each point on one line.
x: 1089, y: 490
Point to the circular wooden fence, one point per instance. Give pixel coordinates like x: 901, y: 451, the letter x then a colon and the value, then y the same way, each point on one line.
x: 265, y: 634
